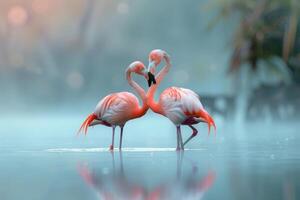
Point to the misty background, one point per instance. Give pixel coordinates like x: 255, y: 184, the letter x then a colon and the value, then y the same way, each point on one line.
x: 65, y: 56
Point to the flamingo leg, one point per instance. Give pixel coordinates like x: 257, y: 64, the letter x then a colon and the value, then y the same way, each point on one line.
x: 195, y: 131
x: 181, y: 142
x: 179, y: 139
x: 121, y: 137
x: 178, y: 147
x: 113, y: 139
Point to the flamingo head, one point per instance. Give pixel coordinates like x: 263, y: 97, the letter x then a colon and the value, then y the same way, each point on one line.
x: 155, y: 58
x: 139, y: 68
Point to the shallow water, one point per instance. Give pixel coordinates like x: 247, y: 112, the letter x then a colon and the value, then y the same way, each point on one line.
x: 45, y: 160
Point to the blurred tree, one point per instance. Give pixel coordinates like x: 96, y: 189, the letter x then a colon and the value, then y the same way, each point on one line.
x: 264, y: 44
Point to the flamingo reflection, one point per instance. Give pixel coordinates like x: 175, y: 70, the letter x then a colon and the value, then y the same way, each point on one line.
x: 116, y: 185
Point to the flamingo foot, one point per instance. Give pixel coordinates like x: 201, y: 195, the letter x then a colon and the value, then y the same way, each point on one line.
x: 111, y: 147
x: 178, y: 149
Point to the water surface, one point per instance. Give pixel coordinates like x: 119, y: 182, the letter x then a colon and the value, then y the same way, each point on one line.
x: 46, y: 160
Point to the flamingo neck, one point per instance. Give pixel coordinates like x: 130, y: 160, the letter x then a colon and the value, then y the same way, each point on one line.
x: 154, y: 105
x: 141, y: 110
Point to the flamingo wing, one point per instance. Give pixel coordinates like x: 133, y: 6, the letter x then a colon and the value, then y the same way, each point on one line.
x: 117, y: 108
x: 179, y: 103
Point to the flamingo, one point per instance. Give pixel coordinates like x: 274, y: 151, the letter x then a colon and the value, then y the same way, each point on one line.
x: 117, y: 108
x: 182, y: 106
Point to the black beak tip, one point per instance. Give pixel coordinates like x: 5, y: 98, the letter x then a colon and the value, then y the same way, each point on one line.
x: 149, y: 83
x: 151, y: 79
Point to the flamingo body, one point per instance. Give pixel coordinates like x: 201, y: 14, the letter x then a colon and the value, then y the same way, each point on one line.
x: 180, y: 104
x: 117, y: 108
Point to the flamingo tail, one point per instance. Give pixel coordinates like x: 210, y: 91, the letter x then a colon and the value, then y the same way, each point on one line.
x: 205, y: 116
x: 86, y: 123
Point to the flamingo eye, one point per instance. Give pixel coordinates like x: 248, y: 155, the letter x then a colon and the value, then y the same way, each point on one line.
x: 139, y: 67
x: 154, y: 57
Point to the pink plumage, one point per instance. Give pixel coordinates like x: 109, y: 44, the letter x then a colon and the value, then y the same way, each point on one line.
x: 182, y: 106
x: 179, y: 103
x: 118, y: 108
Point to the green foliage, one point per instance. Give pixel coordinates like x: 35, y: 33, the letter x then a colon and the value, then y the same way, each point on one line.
x: 266, y: 29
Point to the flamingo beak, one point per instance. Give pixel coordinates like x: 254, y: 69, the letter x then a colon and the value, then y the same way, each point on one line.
x: 151, y: 79
x: 151, y: 72
x: 207, y: 119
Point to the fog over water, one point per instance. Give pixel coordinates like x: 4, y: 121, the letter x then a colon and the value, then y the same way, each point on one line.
x: 259, y: 161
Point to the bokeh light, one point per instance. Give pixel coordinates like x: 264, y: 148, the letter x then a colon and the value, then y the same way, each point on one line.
x: 17, y: 15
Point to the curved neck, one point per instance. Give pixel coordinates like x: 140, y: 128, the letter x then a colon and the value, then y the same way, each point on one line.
x: 150, y: 94
x: 141, y: 92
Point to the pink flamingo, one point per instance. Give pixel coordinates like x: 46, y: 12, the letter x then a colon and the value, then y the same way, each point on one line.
x: 182, y: 106
x: 118, y: 108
